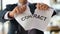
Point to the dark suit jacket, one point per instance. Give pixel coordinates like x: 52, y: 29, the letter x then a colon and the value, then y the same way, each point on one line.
x: 14, y: 24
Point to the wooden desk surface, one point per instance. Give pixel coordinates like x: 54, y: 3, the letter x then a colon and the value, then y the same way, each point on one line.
x: 53, y: 28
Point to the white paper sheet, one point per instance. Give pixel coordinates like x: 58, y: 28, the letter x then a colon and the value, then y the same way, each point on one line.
x: 39, y: 20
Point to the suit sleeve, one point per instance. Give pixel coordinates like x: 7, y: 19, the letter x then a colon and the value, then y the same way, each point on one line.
x: 54, y: 13
x: 6, y: 11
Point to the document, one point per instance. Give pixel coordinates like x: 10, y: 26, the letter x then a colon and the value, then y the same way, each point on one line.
x: 39, y: 20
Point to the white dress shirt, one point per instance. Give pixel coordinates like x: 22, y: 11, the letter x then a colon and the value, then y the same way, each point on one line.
x: 6, y: 15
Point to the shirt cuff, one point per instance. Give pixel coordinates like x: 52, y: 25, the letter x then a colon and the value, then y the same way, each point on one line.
x: 6, y: 16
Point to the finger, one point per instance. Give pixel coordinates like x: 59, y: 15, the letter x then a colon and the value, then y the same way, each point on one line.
x: 42, y: 7
x: 24, y: 8
x: 20, y: 9
x: 14, y: 10
x: 24, y: 5
x: 45, y: 7
x: 38, y: 5
x: 17, y: 10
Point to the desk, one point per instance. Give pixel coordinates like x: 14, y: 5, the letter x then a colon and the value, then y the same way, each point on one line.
x: 54, y: 29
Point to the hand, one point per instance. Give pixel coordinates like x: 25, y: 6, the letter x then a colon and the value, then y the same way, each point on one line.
x: 17, y: 10
x: 42, y: 6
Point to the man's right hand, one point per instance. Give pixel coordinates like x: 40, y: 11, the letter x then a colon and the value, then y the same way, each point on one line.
x: 17, y: 10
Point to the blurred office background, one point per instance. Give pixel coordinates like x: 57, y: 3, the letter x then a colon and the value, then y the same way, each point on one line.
x: 53, y: 26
